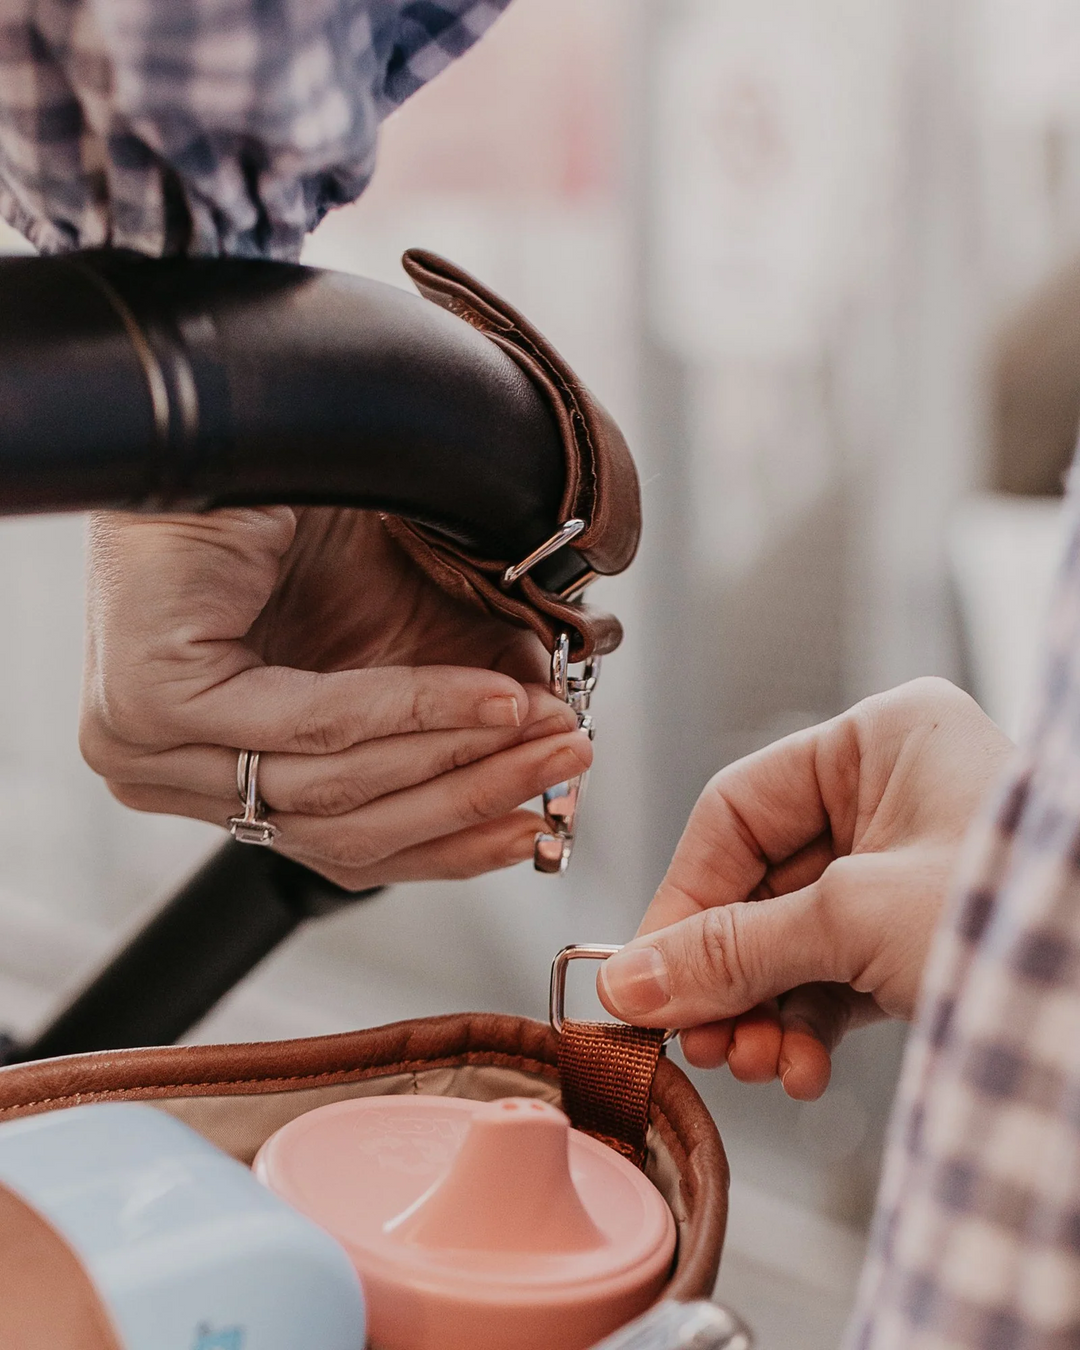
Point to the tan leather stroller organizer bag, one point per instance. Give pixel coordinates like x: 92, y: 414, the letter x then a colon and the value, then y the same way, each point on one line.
x: 236, y: 1096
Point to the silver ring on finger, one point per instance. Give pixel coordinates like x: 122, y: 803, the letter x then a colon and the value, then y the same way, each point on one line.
x: 252, y: 827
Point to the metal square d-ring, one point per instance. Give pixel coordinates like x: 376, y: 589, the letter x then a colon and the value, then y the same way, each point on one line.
x: 594, y: 951
x: 581, y: 951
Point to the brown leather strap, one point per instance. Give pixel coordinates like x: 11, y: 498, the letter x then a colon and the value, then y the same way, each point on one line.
x: 601, y: 484
x: 607, y: 1072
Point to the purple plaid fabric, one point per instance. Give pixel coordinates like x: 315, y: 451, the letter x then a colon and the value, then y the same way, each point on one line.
x: 977, y: 1237
x: 205, y: 126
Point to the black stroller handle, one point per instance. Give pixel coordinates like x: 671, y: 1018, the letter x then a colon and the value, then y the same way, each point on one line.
x: 184, y: 384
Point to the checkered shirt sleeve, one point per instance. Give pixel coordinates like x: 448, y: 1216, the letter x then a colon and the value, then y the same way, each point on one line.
x: 205, y: 126
x: 976, y: 1240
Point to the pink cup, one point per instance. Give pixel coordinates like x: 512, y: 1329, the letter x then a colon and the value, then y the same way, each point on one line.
x: 477, y: 1226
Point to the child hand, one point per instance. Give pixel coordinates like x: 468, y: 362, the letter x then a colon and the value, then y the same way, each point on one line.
x: 805, y: 891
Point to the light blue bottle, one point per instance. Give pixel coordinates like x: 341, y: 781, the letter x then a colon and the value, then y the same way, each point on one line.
x: 186, y: 1249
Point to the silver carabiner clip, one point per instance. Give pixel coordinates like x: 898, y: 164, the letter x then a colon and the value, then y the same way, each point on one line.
x: 552, y: 849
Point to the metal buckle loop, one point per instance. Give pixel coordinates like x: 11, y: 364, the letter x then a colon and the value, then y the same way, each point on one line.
x: 552, y: 850
x: 579, y: 951
x: 562, y: 536
x: 583, y: 951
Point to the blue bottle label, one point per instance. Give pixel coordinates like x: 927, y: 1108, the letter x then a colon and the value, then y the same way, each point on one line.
x: 228, y: 1338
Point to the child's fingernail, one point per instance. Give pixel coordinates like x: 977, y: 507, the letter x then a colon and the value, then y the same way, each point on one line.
x: 500, y: 711
x: 636, y: 981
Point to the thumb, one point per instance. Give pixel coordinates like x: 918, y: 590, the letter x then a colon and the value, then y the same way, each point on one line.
x: 721, y: 962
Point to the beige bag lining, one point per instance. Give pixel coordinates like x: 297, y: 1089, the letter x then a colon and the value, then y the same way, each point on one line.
x: 240, y: 1124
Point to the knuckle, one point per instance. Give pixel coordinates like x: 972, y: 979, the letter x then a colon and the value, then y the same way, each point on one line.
x: 462, y: 754
x: 323, y: 734
x: 719, y: 959
x: 129, y: 714
x: 933, y: 688
x: 836, y: 880
x: 97, y: 747
x: 125, y: 700
x: 834, y: 891
x: 334, y: 796
x: 422, y: 705
x: 476, y: 802
x: 921, y: 698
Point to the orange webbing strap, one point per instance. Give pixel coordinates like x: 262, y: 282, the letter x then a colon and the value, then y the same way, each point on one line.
x: 607, y: 1071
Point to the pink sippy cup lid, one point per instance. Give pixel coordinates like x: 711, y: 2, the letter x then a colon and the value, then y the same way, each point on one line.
x: 477, y: 1225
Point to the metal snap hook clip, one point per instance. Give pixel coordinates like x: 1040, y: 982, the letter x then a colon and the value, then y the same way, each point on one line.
x: 553, y: 848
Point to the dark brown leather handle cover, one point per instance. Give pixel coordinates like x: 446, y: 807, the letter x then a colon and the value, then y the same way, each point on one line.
x: 601, y: 481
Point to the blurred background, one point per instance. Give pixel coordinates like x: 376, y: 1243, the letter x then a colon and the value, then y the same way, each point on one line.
x: 822, y: 261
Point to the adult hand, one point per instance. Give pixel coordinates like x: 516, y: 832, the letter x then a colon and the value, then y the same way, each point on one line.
x: 399, y: 729
x: 804, y: 893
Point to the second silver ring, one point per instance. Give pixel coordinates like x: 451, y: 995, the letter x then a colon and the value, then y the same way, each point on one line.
x: 252, y: 827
